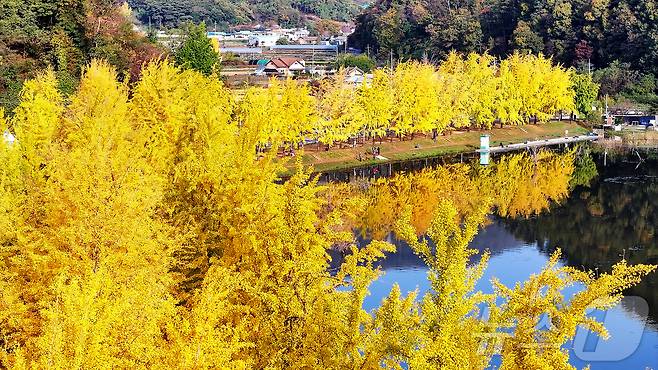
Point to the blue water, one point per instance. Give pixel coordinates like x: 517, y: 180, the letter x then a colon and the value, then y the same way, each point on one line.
x: 634, y: 339
x: 613, y: 217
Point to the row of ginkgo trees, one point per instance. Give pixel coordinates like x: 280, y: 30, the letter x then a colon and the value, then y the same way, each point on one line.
x: 470, y: 92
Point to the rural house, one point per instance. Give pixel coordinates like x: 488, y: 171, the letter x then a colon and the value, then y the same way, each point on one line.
x: 285, y: 67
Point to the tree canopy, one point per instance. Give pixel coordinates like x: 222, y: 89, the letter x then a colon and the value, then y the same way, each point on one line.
x: 173, y: 13
x: 586, y: 92
x: 572, y: 32
x: 197, y: 51
x: 65, y: 34
x: 140, y: 229
x: 361, y: 61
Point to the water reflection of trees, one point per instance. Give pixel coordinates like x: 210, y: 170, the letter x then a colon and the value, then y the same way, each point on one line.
x: 519, y: 184
x: 458, y: 197
x: 598, y: 226
x: 494, y: 238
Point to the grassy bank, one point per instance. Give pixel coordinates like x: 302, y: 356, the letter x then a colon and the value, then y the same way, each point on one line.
x: 424, y: 147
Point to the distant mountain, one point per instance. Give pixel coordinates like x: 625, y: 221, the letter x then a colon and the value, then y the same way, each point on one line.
x: 223, y: 13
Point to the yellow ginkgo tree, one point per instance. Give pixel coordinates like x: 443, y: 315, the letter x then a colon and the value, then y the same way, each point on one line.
x: 336, y: 121
x: 375, y: 105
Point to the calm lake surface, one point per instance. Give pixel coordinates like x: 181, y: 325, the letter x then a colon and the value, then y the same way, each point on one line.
x: 596, y: 227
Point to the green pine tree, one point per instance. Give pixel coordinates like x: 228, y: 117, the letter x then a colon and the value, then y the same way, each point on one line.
x: 197, y: 51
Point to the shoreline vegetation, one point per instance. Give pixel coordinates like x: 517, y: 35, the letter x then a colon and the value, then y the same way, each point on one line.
x: 415, y: 110
x: 639, y: 139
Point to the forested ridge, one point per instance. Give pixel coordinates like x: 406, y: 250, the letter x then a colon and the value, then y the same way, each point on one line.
x: 171, y: 13
x: 571, y: 31
x: 621, y: 33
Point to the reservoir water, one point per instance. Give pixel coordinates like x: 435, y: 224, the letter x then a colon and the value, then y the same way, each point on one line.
x: 614, y: 218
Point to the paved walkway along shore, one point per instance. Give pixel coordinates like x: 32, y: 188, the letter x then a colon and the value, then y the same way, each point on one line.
x: 540, y: 143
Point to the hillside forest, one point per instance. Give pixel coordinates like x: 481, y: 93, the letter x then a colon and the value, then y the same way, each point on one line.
x: 616, y: 40
x: 173, y: 13
x: 66, y: 35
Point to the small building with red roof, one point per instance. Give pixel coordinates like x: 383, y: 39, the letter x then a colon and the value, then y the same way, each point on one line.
x: 285, y: 66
